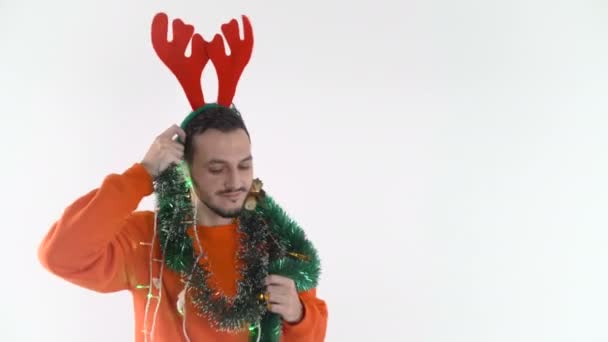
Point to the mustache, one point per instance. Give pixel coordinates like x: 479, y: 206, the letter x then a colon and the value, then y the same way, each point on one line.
x: 223, y: 192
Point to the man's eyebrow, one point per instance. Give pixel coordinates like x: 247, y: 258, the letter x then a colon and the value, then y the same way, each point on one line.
x: 221, y: 161
x: 216, y: 161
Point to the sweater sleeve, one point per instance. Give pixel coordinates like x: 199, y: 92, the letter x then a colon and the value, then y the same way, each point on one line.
x: 92, y: 244
x: 313, y: 325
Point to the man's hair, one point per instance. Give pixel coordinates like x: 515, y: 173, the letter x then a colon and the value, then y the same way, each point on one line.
x: 221, y: 118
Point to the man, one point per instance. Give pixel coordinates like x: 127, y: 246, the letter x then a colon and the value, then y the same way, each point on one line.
x: 196, y: 274
x: 97, y: 243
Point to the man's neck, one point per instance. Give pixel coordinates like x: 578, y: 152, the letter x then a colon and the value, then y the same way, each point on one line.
x: 207, y: 218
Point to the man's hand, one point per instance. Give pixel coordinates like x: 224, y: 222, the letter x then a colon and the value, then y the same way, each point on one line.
x: 284, y: 299
x: 164, y: 151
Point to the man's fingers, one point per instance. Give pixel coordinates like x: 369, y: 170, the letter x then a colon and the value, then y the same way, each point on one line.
x: 177, y: 145
x: 278, y: 280
x: 177, y: 149
x: 172, y: 131
x: 278, y: 298
x: 278, y: 309
x: 278, y: 289
x: 181, y: 134
x: 177, y: 155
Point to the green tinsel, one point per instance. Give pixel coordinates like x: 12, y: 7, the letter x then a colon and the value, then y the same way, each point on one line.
x: 272, y: 243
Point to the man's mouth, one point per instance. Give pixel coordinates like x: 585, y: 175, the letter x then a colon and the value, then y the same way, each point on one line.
x: 232, y: 195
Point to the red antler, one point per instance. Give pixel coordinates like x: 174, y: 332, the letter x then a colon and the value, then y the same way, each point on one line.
x: 230, y: 68
x: 188, y: 70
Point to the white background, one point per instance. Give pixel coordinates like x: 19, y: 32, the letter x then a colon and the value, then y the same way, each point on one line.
x: 448, y: 158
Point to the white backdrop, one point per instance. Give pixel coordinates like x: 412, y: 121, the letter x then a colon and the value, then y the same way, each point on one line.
x: 448, y: 158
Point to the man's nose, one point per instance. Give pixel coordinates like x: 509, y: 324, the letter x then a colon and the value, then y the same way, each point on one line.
x: 232, y: 181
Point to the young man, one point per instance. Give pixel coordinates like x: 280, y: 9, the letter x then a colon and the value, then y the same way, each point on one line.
x: 99, y: 242
x: 217, y: 260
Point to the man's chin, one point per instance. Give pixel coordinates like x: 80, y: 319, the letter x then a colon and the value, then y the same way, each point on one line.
x: 233, y: 212
x: 229, y: 214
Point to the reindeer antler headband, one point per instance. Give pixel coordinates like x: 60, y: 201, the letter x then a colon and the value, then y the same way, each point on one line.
x: 189, y: 70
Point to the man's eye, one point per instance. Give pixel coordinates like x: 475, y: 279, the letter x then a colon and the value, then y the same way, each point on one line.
x: 215, y: 171
x: 245, y: 167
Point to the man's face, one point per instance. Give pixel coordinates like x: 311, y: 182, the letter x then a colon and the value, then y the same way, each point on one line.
x: 222, y: 170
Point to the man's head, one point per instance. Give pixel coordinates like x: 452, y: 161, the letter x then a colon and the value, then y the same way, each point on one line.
x: 218, y: 152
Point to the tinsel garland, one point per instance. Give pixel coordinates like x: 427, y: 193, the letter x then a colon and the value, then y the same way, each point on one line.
x: 271, y: 243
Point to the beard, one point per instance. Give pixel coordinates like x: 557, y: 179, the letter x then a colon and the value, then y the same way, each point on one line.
x: 228, y: 214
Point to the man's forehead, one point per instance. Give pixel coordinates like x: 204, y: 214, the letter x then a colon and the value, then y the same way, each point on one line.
x: 226, y: 147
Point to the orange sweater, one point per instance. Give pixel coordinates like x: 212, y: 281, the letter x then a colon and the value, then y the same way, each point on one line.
x: 97, y: 244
